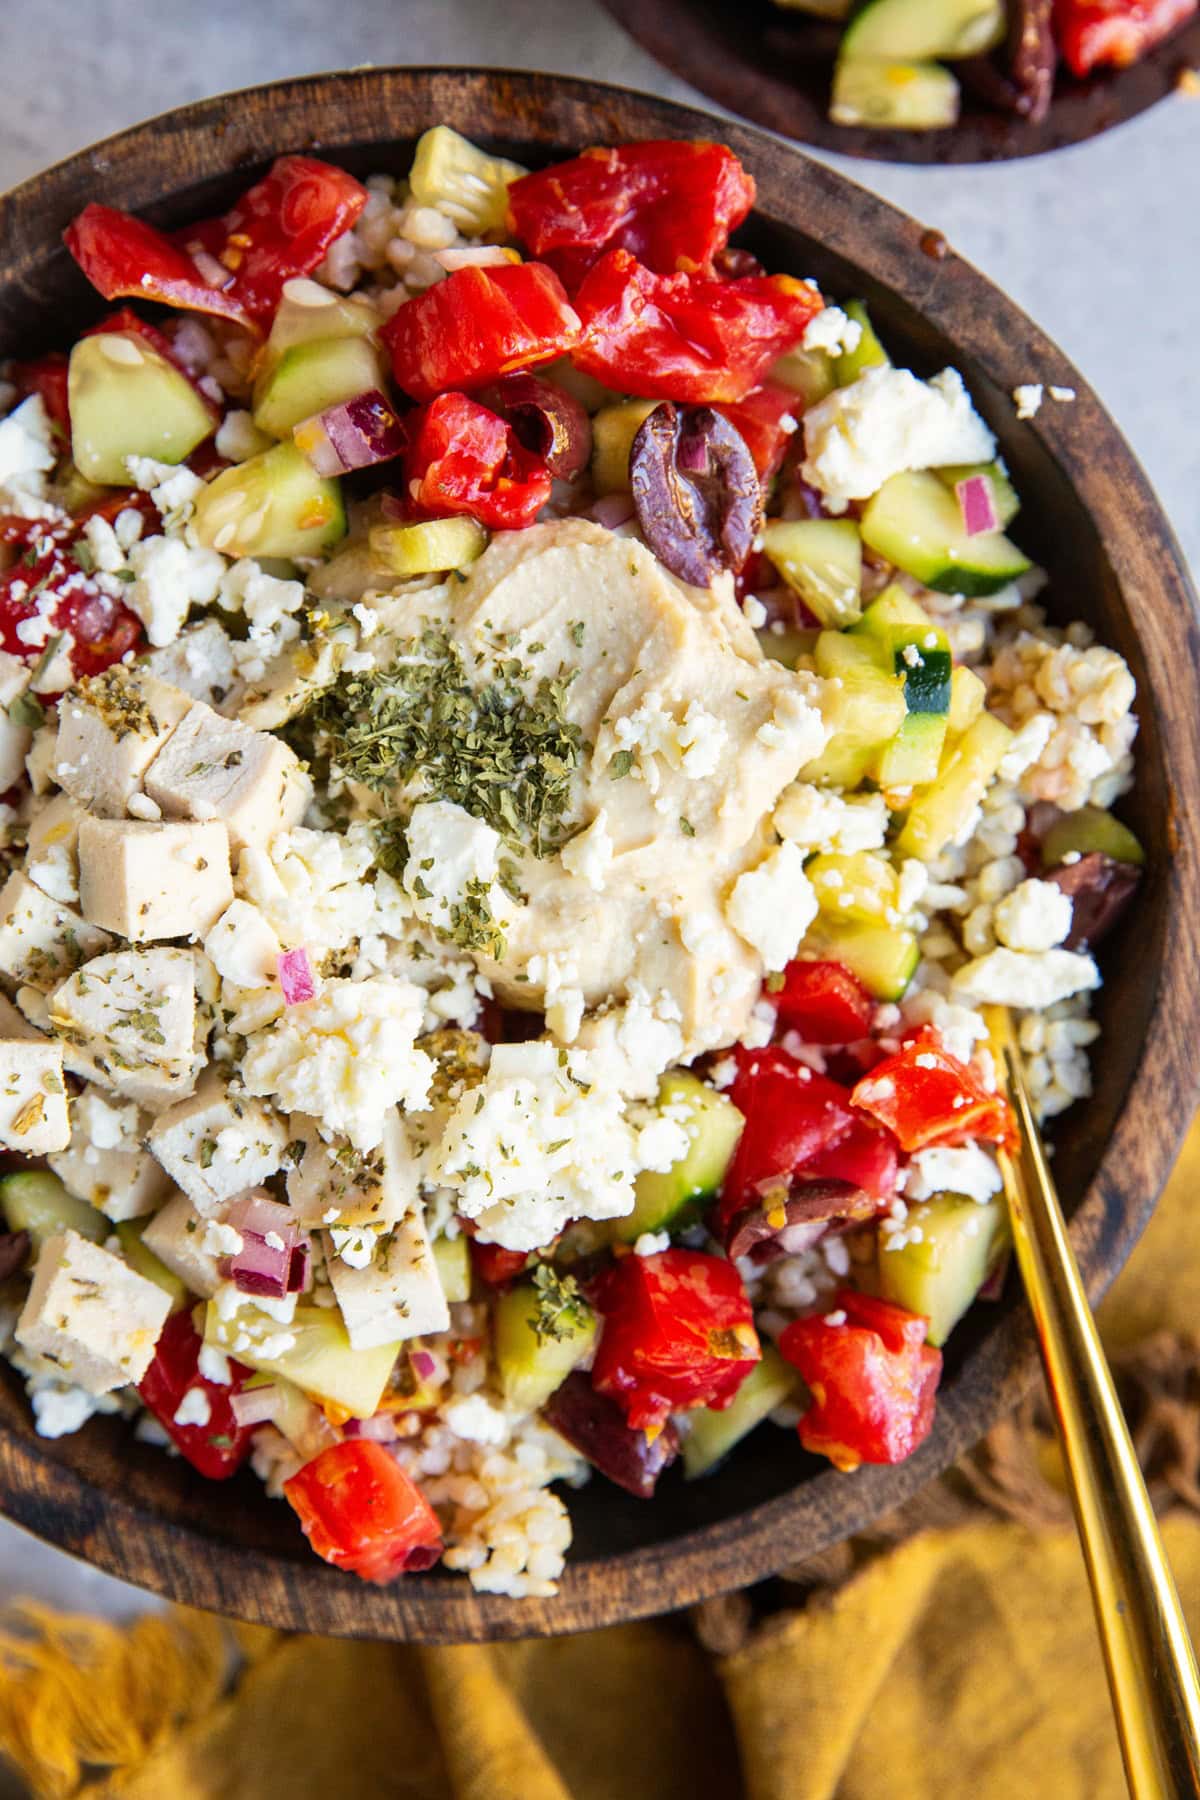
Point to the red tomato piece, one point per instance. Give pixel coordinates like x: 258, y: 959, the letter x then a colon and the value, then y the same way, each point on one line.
x: 678, y: 1332
x: 478, y: 324
x: 494, y: 1264
x: 926, y: 1096
x: 464, y: 459
x: 1114, y: 33
x: 824, y: 1002
x: 220, y: 1446
x: 360, y: 1511
x: 121, y: 255
x: 47, y: 377
x: 683, y: 337
x: 45, y: 581
x: 872, y: 1377
x: 767, y: 420
x: 670, y: 204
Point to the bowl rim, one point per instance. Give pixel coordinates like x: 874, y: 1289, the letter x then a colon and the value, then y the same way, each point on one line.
x: 343, y: 110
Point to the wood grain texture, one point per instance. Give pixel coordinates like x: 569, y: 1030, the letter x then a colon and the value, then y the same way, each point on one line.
x: 775, y: 68
x: 1089, y: 515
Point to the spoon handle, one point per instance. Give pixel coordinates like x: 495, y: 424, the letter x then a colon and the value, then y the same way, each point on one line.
x: 1148, y: 1655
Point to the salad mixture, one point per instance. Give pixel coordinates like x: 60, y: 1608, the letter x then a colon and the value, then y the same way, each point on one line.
x: 889, y: 54
x: 527, y: 742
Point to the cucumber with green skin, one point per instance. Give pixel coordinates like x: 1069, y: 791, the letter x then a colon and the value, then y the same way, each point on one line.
x: 914, y: 521
x: 868, y: 353
x: 308, y: 312
x: 884, y: 957
x: 915, y: 753
x: 940, y: 1273
x: 920, y: 650
x: 712, y: 1434
x: 310, y: 377
x: 273, y: 505
x: 888, y: 95
x: 531, y: 1360
x: 36, y: 1201
x: 125, y: 399
x: 939, y: 814
x: 808, y: 373
x: 1090, y: 828
x: 672, y: 1198
x: 821, y: 560
x: 863, y: 705
x: 916, y: 30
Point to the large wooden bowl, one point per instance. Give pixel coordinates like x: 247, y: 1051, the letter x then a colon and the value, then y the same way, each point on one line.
x: 1089, y: 515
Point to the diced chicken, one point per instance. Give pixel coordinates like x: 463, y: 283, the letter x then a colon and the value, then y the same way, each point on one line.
x: 52, y: 848
x: 176, y: 1236
x: 398, y: 1295
x: 338, y: 1185
x: 33, y: 1096
x: 215, y: 768
x: 127, y: 1021
x: 89, y: 1313
x: 41, y: 940
x: 217, y: 1144
x: 14, y: 1024
x: 110, y: 730
x: 147, y: 881
x: 15, y: 741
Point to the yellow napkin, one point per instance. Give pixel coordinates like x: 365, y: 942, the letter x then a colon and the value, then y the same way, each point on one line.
x: 961, y: 1661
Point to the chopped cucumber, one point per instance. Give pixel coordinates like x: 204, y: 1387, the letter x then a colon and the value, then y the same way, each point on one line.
x: 430, y: 547
x: 914, y: 754
x: 868, y: 353
x: 127, y: 400
x: 274, y: 505
x: 838, y: 654
x: 919, y: 649
x: 309, y: 377
x: 36, y: 1201
x: 711, y: 1434
x: 940, y: 1274
x: 453, y: 1259
x: 1088, y: 829
x: 531, y: 1366
x: 308, y: 312
x: 1004, y: 494
x: 863, y: 704
x: 786, y: 644
x: 914, y: 29
x: 462, y: 181
x: 671, y: 1199
x: 914, y: 520
x: 321, y: 1361
x: 968, y: 691
x: 142, y: 1259
x: 943, y: 811
x: 822, y: 560
x: 858, y: 885
x: 613, y: 431
x: 882, y: 956
x: 808, y: 373
x: 893, y: 96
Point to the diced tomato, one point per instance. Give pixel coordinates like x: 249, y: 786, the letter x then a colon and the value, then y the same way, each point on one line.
x: 1114, y: 33
x: 121, y: 255
x: 670, y: 204
x: 219, y: 1446
x: 478, y: 324
x: 767, y: 420
x: 926, y: 1096
x: 872, y: 1378
x: 464, y: 459
x: 46, y: 582
x: 494, y: 1264
x: 360, y: 1511
x: 683, y: 337
x: 678, y: 1332
x: 47, y: 377
x: 824, y: 1002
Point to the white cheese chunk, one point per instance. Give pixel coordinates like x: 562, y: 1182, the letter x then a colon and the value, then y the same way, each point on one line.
x: 51, y: 853
x: 127, y: 1021
x: 200, y: 663
x: 170, y: 577
x: 398, y: 1295
x: 1036, y: 915
x: 968, y: 1169
x: 33, y: 1097
x: 105, y: 1162
x: 42, y: 940
x: 110, y: 729
x: 243, y: 948
x: 1026, y: 979
x: 176, y: 1236
x: 217, y: 1143
x: 589, y: 854
x: 452, y: 874
x: 91, y: 1314
x: 215, y: 768
x: 773, y: 905
x: 886, y: 422
x: 822, y: 819
x: 147, y: 881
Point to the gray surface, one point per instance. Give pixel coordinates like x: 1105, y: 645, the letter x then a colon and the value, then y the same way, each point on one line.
x: 1099, y: 244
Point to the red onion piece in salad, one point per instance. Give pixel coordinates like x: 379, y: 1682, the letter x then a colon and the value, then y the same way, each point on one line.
x: 296, y: 977
x: 696, y: 491
x: 545, y: 420
x: 977, y: 504
x: 256, y: 1405
x: 354, y: 434
x: 267, y: 1263
x: 598, y: 1429
x: 423, y: 1364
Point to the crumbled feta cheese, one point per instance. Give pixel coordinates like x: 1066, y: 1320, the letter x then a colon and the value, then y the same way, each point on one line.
x: 969, y: 1170
x: 1034, y: 916
x: 589, y: 854
x: 242, y: 947
x: 171, y: 578
x: 452, y: 875
x: 308, y: 887
x: 821, y: 819
x: 832, y: 331
x: 58, y: 1410
x: 194, y: 1409
x: 773, y: 905
x: 213, y: 1364
x: 886, y: 422
x: 756, y: 613
x: 27, y: 447
x: 474, y: 1418
x: 1028, y: 399
x: 238, y: 437
x: 662, y: 1143
x: 1062, y: 394
x: 1025, y: 979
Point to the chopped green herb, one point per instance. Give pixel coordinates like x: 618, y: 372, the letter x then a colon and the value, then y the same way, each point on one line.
x: 561, y: 1308
x: 620, y: 765
x: 687, y: 828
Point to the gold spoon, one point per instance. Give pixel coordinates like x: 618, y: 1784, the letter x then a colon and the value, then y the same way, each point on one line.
x: 1148, y: 1655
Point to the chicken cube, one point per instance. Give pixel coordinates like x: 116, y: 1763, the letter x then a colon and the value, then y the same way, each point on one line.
x: 147, y: 881
x: 110, y: 730
x: 52, y: 848
x: 331, y: 1184
x: 217, y: 1144
x: 176, y: 1234
x: 215, y: 768
x: 41, y: 940
x: 397, y: 1295
x: 33, y: 1096
x: 91, y: 1314
x: 127, y: 1021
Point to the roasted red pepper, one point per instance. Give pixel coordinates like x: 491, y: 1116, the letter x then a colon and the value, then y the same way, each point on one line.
x: 926, y: 1096
x: 824, y: 1002
x: 670, y: 204
x: 47, y: 582
x: 683, y: 337
x: 218, y: 1446
x: 464, y: 459
x: 872, y: 1378
x: 678, y: 1332
x: 767, y: 419
x: 478, y: 324
x: 47, y: 377
x: 120, y: 255
x: 1114, y: 33
x: 361, y: 1512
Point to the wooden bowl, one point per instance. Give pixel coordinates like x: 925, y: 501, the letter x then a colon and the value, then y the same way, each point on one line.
x: 776, y: 67
x: 1089, y: 516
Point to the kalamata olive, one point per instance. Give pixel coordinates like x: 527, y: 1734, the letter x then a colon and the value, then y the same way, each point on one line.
x: 695, y: 491
x: 756, y: 1230
x: 545, y: 419
x: 14, y: 1249
x: 598, y: 1429
x: 1100, y: 889
x: 1032, y: 56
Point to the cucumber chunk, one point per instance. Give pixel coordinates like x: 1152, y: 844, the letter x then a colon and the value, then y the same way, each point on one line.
x: 429, y: 547
x: 914, y: 521
x: 143, y: 1261
x: 882, y: 956
x: 860, y: 885
x: 308, y: 312
x: 36, y: 1201
x: 532, y: 1367
x: 821, y: 559
x: 671, y: 1199
x: 808, y: 373
x: 613, y: 431
x: 868, y: 353
x: 944, y: 810
x: 1088, y: 829
x: 127, y: 400
x: 321, y: 1361
x: 274, y: 505
x: 310, y: 377
x: 893, y: 96
x: 863, y: 705
x: 939, y: 1275
x: 920, y: 650
x: 1004, y: 494
x: 912, y: 30
x: 464, y: 182
x: 711, y: 1435
x: 453, y: 1259
x: 967, y: 695
x: 914, y: 755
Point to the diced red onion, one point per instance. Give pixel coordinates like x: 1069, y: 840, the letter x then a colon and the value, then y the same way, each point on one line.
x: 296, y: 977
x: 256, y: 1405
x: 545, y: 419
x: 977, y: 504
x: 300, y: 1268
x: 260, y: 1267
x: 612, y: 510
x: 423, y: 1364
x: 354, y: 434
